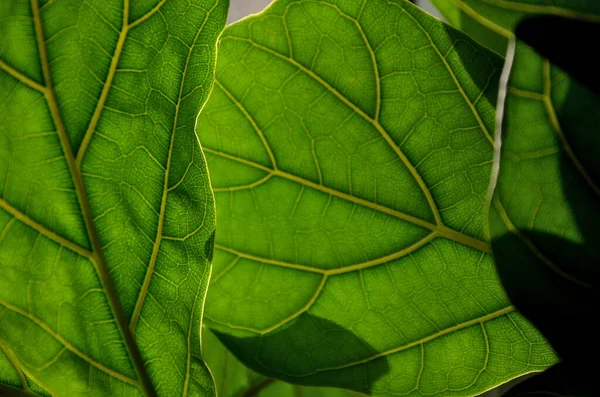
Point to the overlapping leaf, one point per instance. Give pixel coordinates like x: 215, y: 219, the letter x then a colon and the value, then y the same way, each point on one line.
x: 106, y: 213
x: 492, y: 22
x: 350, y: 148
x: 545, y: 210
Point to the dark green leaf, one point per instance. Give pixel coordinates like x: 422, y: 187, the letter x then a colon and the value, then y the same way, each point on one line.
x: 493, y: 22
x: 545, y: 209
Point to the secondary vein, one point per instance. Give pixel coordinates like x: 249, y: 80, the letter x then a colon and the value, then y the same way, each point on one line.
x: 17, y: 214
x: 443, y: 231
x: 68, y: 345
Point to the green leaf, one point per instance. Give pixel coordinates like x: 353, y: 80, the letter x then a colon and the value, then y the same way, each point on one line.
x: 493, y: 22
x: 545, y: 208
x: 349, y: 145
x: 106, y: 212
x: 234, y: 379
x: 457, y: 14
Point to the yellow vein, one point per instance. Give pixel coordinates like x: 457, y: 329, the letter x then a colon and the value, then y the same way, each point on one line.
x: 332, y: 272
x: 482, y: 20
x: 255, y: 258
x: 536, y: 96
x: 442, y: 231
x: 17, y: 214
x: 108, y: 83
x: 371, y: 54
x: 487, y: 347
x: 163, y: 205
x: 15, y: 363
x: 302, y: 310
x: 148, y: 15
x: 99, y: 263
x: 457, y: 327
x: 68, y: 345
x: 386, y: 136
x: 254, y: 184
x: 455, y: 80
x: 544, y: 9
x: 529, y: 244
x: 537, y: 154
x: 28, y: 81
x: 556, y: 124
x: 227, y: 268
x: 250, y: 120
x: 286, y: 320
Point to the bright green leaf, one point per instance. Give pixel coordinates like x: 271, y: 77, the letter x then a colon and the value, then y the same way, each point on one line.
x: 106, y: 212
x: 492, y: 22
x: 234, y: 379
x: 349, y: 144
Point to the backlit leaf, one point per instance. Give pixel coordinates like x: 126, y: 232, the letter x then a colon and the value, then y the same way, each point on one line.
x: 350, y: 148
x: 106, y: 212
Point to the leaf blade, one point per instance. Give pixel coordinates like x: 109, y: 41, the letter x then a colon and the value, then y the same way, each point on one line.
x: 324, y: 228
x: 89, y: 97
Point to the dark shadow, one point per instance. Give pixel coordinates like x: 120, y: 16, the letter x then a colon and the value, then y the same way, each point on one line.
x: 564, y: 311
x: 314, y: 346
x: 563, y: 306
x: 558, y: 381
x: 567, y: 43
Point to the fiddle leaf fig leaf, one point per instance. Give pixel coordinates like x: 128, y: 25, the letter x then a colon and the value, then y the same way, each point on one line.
x: 106, y: 211
x: 493, y: 22
x: 350, y: 149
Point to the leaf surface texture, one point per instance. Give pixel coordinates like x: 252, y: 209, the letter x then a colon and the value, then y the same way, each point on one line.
x: 106, y: 211
x: 350, y: 147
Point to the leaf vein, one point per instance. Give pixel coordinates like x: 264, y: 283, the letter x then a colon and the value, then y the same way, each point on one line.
x: 68, y: 345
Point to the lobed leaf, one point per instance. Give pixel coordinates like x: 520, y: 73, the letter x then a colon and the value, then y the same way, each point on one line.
x: 350, y: 148
x: 106, y: 212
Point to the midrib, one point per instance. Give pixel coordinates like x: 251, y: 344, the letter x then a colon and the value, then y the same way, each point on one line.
x: 98, y: 260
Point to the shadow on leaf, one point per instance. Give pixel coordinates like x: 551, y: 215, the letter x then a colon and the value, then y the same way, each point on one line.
x: 318, y: 353
x: 558, y: 290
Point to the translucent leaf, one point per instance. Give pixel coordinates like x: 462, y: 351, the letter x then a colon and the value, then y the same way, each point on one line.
x: 106, y: 211
x: 350, y: 148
